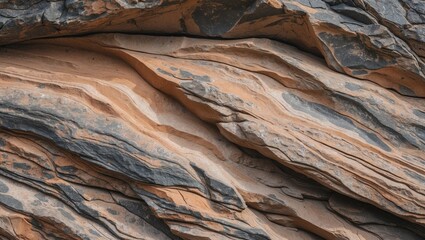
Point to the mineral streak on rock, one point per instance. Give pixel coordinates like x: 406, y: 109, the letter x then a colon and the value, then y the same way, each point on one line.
x: 89, y: 145
x: 375, y: 40
x: 131, y: 136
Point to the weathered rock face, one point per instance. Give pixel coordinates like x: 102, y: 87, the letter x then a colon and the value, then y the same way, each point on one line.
x: 379, y: 40
x: 116, y: 136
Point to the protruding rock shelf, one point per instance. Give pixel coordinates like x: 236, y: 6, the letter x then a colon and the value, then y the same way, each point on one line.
x: 378, y: 40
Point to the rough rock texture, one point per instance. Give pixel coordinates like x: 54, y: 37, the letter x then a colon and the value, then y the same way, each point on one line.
x: 115, y: 136
x: 379, y: 40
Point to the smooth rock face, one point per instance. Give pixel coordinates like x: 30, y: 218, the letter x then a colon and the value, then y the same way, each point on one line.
x: 116, y: 136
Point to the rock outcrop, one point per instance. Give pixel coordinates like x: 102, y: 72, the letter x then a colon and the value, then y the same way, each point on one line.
x: 378, y: 40
x: 130, y: 136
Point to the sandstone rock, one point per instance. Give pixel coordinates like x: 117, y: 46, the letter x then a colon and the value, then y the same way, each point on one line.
x: 357, y: 37
x: 92, y: 151
x: 288, y: 106
x: 118, y: 136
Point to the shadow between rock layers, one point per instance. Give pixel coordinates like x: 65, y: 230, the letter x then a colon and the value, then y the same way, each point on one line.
x: 94, y: 144
x: 118, y: 136
x: 378, y: 40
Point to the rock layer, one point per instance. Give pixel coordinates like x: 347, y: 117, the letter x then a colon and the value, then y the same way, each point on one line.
x: 357, y: 37
x: 115, y: 136
x: 90, y: 150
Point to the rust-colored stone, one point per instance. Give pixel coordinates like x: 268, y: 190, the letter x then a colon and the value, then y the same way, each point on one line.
x: 119, y: 136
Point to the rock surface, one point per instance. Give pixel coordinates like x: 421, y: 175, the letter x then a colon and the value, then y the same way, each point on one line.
x: 116, y: 136
x: 361, y: 38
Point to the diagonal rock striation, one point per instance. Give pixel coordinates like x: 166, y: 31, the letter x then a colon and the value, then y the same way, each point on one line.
x: 240, y: 136
x: 98, y: 150
x: 356, y: 37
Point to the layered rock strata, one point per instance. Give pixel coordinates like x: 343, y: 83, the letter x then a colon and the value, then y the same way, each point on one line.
x: 378, y: 40
x: 137, y: 137
x: 271, y: 119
